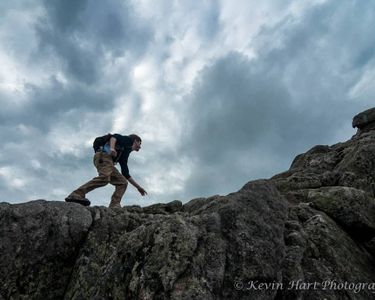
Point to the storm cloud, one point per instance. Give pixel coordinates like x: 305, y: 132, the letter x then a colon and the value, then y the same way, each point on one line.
x: 248, y: 117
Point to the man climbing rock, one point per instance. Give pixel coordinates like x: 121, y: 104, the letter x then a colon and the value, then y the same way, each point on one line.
x: 117, y: 149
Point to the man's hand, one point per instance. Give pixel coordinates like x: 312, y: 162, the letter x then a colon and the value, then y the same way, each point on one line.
x: 113, y: 152
x: 142, y: 191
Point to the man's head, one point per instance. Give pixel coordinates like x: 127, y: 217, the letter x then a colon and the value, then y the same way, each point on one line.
x: 137, y: 141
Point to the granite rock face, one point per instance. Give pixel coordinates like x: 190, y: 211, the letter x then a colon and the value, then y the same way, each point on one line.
x: 39, y: 244
x: 307, y: 233
x: 364, y: 119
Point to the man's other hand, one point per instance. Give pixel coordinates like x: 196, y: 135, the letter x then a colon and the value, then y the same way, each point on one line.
x: 142, y: 191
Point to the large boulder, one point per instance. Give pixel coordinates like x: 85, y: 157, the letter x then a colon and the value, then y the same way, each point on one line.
x: 200, y: 252
x: 364, y: 119
x: 351, y: 164
x: 39, y: 246
x: 349, y: 207
x: 322, y: 261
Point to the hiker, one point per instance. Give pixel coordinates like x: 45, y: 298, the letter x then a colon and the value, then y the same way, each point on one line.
x: 117, y: 149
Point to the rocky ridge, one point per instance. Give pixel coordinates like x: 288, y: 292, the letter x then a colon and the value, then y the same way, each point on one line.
x: 307, y: 233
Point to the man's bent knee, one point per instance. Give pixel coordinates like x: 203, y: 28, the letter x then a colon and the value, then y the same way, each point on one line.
x: 104, y: 179
x: 122, y: 185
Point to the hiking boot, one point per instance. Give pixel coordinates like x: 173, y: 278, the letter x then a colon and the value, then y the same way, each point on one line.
x: 114, y: 205
x: 79, y: 200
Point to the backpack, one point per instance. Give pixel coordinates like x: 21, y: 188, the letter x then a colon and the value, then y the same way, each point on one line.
x: 100, y: 141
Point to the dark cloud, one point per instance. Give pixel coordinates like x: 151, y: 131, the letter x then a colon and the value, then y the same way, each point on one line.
x: 248, y: 118
x: 236, y: 110
x: 55, y: 102
x: 82, y: 33
x: 65, y: 15
x: 233, y: 106
x: 117, y: 28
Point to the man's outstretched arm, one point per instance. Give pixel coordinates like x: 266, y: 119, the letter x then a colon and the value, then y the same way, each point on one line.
x: 137, y: 186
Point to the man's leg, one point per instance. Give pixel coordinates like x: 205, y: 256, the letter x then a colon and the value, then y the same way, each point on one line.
x: 104, y: 164
x: 120, y: 183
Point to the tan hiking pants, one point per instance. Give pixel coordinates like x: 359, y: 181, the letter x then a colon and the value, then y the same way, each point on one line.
x: 107, y: 174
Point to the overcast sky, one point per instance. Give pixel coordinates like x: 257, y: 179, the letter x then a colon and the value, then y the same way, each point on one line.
x: 221, y: 92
